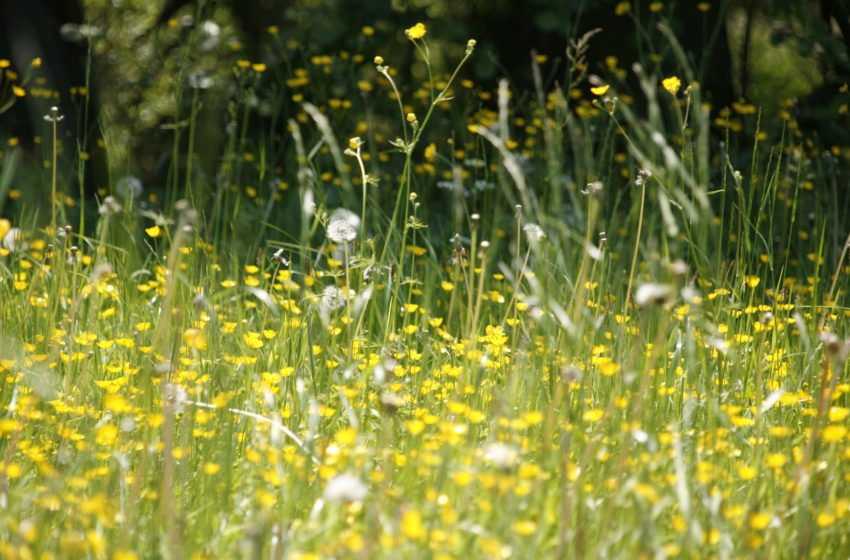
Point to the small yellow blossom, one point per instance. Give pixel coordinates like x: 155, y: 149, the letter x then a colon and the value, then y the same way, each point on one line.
x: 600, y: 90
x: 671, y: 84
x: 412, y: 526
x: 416, y: 32
x: 759, y: 521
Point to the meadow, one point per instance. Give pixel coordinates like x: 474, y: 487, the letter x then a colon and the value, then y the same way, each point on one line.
x: 434, y: 320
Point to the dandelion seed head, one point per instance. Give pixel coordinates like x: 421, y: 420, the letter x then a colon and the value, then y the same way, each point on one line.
x: 109, y: 206
x: 341, y: 230
x: 643, y: 177
x: 534, y: 233
x: 651, y: 294
x: 129, y: 187
x: 501, y: 455
x: 332, y: 299
x: 345, y: 488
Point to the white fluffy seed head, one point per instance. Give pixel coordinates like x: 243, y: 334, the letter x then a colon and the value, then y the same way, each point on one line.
x: 651, y: 294
x: 341, y: 230
x: 345, y: 488
x: 501, y: 455
x: 534, y: 233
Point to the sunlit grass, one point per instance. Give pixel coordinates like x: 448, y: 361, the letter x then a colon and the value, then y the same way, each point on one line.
x: 567, y: 328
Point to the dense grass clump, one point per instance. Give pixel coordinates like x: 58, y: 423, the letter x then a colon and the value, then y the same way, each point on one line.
x: 598, y: 319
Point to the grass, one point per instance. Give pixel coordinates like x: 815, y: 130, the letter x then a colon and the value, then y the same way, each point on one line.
x: 548, y: 325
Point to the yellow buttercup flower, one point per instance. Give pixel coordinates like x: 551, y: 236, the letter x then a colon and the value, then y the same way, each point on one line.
x: 416, y: 32
x: 671, y: 84
x: 600, y: 90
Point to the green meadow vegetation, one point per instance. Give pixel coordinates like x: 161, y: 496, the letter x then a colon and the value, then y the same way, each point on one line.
x: 600, y: 318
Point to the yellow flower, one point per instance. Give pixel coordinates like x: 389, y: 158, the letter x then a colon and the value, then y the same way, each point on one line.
x: 759, y: 521
x: 600, y: 90
x: 622, y: 8
x: 525, y: 528
x: 593, y: 415
x: 431, y: 152
x: 19, y: 91
x: 416, y: 32
x: 194, y: 338
x: 671, y: 84
x: 825, y: 519
x: 154, y: 231
x: 833, y: 433
x: 412, y: 526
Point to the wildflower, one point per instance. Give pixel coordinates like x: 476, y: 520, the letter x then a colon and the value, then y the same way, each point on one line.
x: 524, y: 528
x: 412, y: 526
x: 759, y: 521
x: 501, y: 455
x: 600, y: 90
x: 345, y: 488
x: 12, y: 238
x: 831, y: 343
x: 593, y: 415
x: 332, y: 299
x: 679, y: 268
x: 379, y: 60
x: 53, y: 115
x: 651, y: 294
x: 391, y: 402
x: 431, y: 152
x: 109, y: 206
x: 194, y: 338
x: 129, y: 187
x: 671, y: 84
x: 411, y: 117
x: 594, y: 188
x: 154, y: 231
x: 5, y: 227
x: 643, y: 177
x: 834, y: 433
x: 534, y: 233
x: 416, y: 32
x: 340, y: 230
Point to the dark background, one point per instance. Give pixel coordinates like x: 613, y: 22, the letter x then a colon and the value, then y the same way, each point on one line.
x: 130, y: 57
